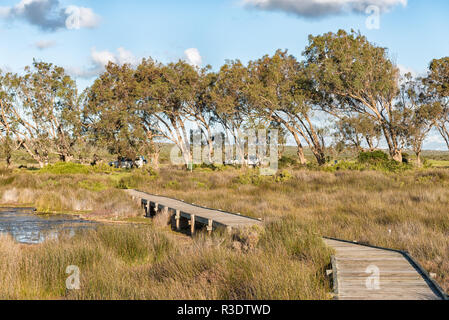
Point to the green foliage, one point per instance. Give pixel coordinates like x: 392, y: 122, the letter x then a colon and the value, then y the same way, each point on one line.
x: 373, y: 157
x: 252, y: 177
x: 384, y: 166
x: 350, y: 68
x: 287, y: 161
x: 136, y: 178
x: 43, y: 110
x: 66, y: 168
x: 434, y: 176
x: 90, y: 185
x: 132, y: 181
x: 283, y: 176
x: 173, y: 185
x: 201, y: 185
x: 7, y: 181
x: 147, y: 171
x: 103, y: 168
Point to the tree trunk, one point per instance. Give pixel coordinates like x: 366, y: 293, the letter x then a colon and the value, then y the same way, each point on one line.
x: 320, y: 157
x: 370, y: 143
x: 301, y: 156
x: 155, y: 160
x: 8, y: 161
x: 396, y: 154
x: 187, y: 158
x: 300, y: 152
x: 444, y: 133
x: 418, y: 159
x: 211, y: 150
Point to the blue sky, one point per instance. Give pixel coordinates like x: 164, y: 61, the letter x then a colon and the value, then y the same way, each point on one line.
x: 415, y: 31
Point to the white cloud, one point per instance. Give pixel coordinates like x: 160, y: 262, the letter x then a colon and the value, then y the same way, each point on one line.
x: 80, y: 17
x: 49, y: 15
x: 404, y: 70
x: 100, y: 59
x: 126, y: 57
x: 321, y: 8
x: 193, y: 57
x: 44, y: 44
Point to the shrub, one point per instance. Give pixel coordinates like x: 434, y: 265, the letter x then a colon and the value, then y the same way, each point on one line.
x: 250, y: 177
x: 286, y: 162
x: 103, y: 168
x: 283, y: 176
x: 173, y: 184
x: 132, y: 181
x: 7, y: 181
x: 90, y: 185
x: 373, y: 157
x: 138, y: 177
x: 66, y: 168
x: 147, y: 171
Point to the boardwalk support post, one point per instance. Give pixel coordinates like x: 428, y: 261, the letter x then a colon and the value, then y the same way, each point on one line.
x: 143, y: 205
x: 192, y: 224
x: 210, y: 226
x: 156, y: 208
x: 148, y: 209
x: 178, y: 220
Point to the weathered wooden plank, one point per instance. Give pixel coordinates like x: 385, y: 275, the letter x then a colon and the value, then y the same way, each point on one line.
x: 396, y: 279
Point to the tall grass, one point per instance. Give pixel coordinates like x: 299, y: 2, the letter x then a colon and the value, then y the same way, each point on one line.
x: 141, y: 263
x: 95, y: 194
x: 406, y: 210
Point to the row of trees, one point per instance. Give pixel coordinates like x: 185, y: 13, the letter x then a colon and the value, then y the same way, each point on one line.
x: 344, y: 79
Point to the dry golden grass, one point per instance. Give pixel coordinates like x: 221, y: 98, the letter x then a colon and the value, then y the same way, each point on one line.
x: 141, y: 263
x: 94, y: 193
x: 407, y: 211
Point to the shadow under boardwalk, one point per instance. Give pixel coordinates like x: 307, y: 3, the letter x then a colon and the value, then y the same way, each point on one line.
x: 369, y: 273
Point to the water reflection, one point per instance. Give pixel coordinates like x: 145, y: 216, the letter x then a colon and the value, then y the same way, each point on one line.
x: 26, y: 227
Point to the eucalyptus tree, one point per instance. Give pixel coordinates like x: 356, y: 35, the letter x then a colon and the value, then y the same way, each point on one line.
x: 202, y: 111
x: 173, y: 95
x: 357, y: 76
x: 437, y: 83
x: 6, y: 145
x: 421, y: 113
x: 230, y: 103
x: 281, y: 91
x: 41, y: 111
x: 355, y: 130
x: 170, y: 97
x: 112, y: 113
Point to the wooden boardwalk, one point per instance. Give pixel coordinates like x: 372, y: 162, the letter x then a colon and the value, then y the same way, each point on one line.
x: 369, y: 273
x: 360, y: 272
x: 193, y: 214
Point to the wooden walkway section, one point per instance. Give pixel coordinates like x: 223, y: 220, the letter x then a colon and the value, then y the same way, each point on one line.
x: 360, y: 272
x: 191, y: 214
x: 369, y: 273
